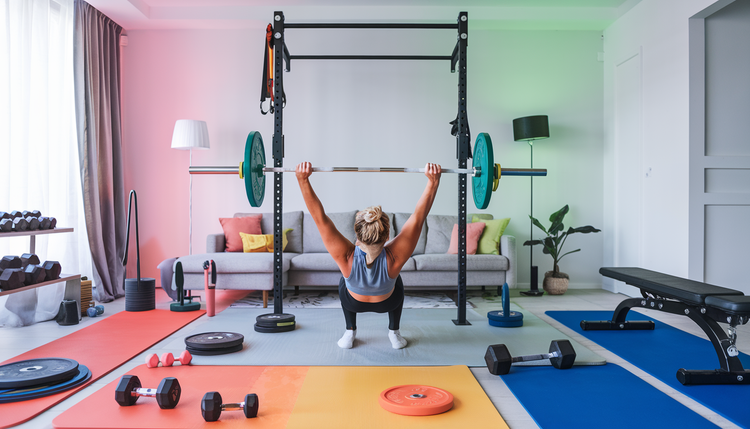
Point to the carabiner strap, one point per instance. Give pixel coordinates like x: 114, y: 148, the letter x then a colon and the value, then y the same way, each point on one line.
x: 266, y: 89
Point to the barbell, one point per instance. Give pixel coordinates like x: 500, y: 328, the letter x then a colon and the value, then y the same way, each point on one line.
x: 485, y: 173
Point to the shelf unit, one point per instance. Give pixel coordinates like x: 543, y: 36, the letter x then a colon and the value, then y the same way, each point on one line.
x: 32, y: 235
x: 72, y: 281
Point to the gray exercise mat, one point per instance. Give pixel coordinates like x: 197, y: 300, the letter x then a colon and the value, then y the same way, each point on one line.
x: 432, y: 336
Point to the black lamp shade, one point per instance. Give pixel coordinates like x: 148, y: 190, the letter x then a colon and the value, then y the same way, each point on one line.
x: 531, y: 128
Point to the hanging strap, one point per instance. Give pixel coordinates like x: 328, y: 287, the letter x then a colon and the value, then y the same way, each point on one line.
x: 266, y: 88
x: 454, y: 130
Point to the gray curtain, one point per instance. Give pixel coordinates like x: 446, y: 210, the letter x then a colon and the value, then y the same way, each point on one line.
x: 96, y: 65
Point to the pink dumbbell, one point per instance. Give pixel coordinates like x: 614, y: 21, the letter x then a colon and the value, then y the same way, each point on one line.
x: 167, y: 359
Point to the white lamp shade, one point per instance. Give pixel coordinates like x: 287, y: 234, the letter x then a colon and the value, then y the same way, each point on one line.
x: 190, y: 134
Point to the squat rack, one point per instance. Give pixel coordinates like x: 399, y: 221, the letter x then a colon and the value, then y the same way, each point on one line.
x: 463, y: 148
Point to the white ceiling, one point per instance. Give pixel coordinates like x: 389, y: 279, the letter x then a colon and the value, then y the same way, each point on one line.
x: 209, y: 14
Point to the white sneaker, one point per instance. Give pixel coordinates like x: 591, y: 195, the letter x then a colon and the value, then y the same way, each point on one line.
x: 347, y: 341
x: 397, y: 341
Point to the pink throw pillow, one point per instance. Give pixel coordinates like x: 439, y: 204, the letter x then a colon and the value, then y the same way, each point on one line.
x: 233, y: 226
x: 473, y: 232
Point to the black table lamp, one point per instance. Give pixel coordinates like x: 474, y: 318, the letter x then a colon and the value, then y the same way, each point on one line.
x: 528, y: 129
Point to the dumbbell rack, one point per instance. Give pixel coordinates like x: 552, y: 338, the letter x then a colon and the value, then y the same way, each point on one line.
x: 72, y: 281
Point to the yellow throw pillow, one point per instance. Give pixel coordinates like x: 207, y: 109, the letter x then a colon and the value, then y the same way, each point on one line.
x: 261, y: 242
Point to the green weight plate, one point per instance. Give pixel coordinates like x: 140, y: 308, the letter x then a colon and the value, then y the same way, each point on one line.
x: 252, y: 169
x: 484, y: 159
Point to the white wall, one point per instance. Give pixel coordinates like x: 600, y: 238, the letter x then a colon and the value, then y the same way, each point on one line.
x: 364, y: 113
x: 646, y: 199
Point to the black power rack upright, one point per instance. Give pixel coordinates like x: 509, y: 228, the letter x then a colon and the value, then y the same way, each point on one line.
x: 463, y: 147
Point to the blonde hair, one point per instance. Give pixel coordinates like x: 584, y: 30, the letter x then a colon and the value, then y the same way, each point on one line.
x: 372, y: 226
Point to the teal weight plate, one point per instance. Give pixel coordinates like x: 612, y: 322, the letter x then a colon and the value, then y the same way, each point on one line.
x: 252, y: 169
x: 483, y: 159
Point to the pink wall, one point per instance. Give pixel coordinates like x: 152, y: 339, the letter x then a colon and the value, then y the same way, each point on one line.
x: 207, y: 75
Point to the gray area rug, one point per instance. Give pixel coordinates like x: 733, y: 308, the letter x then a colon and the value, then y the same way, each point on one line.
x: 432, y: 336
x: 330, y: 299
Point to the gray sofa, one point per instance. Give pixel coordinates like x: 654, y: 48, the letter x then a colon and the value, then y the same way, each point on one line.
x: 307, y: 264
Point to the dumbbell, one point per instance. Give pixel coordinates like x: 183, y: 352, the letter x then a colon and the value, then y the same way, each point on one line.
x: 16, y: 214
x: 212, y: 406
x: 53, y: 269
x: 20, y: 224
x: 12, y: 278
x: 34, y: 274
x: 33, y: 223
x: 6, y: 225
x: 561, y: 355
x: 129, y: 390
x: 167, y: 359
x: 44, y: 223
x: 36, y: 213
x: 11, y: 261
x: 29, y: 259
x: 95, y: 311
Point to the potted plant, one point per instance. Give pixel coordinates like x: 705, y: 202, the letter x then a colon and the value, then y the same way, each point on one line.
x: 556, y: 282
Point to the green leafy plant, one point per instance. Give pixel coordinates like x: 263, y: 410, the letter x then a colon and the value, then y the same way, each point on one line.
x: 556, y: 237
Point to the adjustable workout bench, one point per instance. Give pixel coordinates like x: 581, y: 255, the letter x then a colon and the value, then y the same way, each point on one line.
x: 705, y: 304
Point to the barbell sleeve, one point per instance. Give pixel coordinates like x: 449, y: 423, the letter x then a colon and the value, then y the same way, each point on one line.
x: 470, y: 171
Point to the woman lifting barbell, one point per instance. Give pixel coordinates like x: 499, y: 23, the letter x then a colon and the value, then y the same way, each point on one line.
x: 370, y: 269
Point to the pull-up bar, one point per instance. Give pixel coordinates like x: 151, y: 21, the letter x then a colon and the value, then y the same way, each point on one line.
x: 372, y: 57
x: 374, y: 25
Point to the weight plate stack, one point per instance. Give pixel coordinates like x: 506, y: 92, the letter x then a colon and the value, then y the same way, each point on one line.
x: 83, y: 374
x: 273, y: 323
x: 499, y: 318
x: 143, y: 299
x: 37, y: 372
x: 214, y: 343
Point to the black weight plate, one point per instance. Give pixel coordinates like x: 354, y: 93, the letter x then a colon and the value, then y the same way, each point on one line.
x: 214, y: 340
x: 83, y: 375
x: 273, y: 320
x: 213, y: 352
x: 36, y: 372
x: 274, y: 329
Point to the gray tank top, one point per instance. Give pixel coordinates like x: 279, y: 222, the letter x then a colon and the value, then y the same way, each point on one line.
x: 372, y: 281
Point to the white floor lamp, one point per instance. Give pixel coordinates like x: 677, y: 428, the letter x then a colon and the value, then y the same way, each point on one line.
x: 190, y: 134
x: 528, y: 129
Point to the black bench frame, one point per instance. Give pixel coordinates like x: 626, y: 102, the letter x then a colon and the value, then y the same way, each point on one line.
x: 667, y: 296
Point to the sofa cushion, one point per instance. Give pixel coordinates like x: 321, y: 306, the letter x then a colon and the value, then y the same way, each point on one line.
x: 262, y: 242
x: 489, y: 242
x: 312, y: 241
x: 439, y: 228
x: 446, y: 262
x: 291, y: 220
x: 235, y: 262
x: 400, y: 219
x: 233, y: 226
x: 324, y: 262
x: 473, y: 232
x: 314, y: 262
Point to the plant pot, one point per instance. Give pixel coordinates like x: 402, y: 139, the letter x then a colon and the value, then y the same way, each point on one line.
x: 555, y: 285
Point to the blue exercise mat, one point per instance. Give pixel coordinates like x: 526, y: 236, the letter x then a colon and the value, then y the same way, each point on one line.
x: 661, y: 353
x: 605, y: 396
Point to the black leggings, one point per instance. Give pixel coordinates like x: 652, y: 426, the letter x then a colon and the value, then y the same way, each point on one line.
x: 392, y: 305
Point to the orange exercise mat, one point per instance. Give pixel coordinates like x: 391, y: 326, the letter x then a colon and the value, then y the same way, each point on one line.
x: 276, y: 387
x: 347, y: 397
x: 102, y: 347
x: 288, y: 396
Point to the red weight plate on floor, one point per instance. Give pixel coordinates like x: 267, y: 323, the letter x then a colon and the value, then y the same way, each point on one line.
x: 416, y: 400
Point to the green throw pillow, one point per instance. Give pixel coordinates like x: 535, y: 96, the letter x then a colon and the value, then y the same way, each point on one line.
x: 489, y: 242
